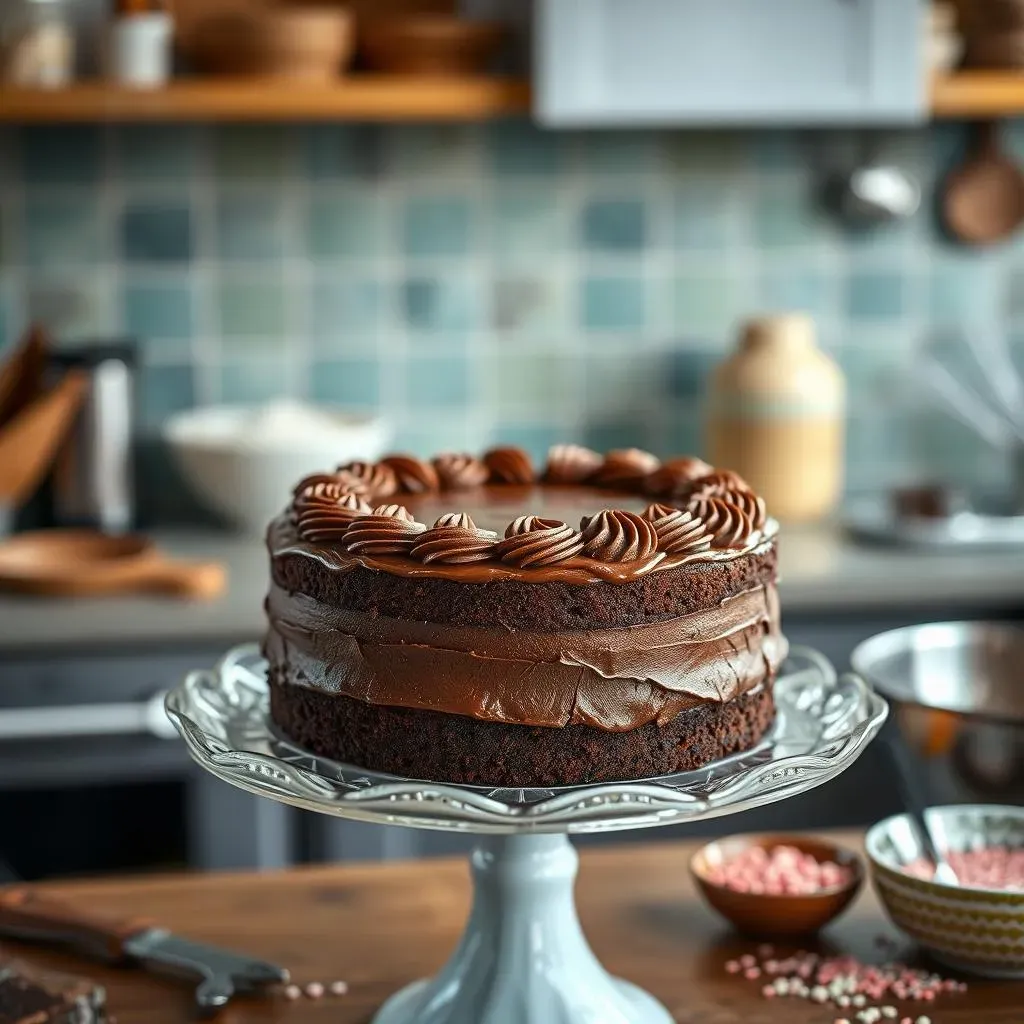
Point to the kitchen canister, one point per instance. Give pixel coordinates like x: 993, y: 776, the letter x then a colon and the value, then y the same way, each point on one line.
x: 775, y: 415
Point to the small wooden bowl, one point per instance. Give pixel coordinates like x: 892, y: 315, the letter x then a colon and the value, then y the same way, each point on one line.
x: 430, y: 45
x: 766, y: 916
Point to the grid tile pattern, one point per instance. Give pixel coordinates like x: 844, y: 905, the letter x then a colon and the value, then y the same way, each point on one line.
x: 489, y: 282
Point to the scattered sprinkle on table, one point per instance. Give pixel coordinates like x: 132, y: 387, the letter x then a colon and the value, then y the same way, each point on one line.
x: 781, y: 871
x: 845, y: 982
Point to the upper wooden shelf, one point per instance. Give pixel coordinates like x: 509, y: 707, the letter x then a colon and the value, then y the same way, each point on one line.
x: 971, y: 94
x: 359, y: 98
x: 965, y: 94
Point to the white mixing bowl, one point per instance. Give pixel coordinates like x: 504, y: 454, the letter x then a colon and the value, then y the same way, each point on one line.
x: 243, y: 462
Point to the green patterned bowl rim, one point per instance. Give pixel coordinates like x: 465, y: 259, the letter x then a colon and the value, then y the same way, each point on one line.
x: 882, y: 862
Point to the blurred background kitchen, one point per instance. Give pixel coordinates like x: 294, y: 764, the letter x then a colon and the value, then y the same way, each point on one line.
x: 514, y: 223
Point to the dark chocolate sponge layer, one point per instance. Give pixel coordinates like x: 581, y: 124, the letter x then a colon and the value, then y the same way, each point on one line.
x: 543, y: 607
x: 453, y: 748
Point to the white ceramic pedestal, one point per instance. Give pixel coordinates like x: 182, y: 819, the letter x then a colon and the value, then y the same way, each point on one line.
x: 523, y: 958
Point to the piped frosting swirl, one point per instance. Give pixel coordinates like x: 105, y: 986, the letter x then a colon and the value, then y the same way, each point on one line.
x: 624, y: 467
x: 729, y: 525
x: 459, y: 472
x: 509, y: 466
x: 614, y: 535
x: 326, y: 523
x: 532, y: 541
x: 454, y: 540
x: 372, y: 479
x: 678, y: 531
x: 414, y: 476
x: 674, y: 477
x: 388, y: 530
x: 571, y: 464
x: 709, y: 516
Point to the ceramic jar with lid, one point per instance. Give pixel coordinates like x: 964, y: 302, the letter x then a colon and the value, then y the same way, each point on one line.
x: 775, y: 415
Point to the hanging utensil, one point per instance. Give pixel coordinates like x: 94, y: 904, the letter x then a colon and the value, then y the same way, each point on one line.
x: 874, y: 192
x: 966, y: 406
x: 983, y: 199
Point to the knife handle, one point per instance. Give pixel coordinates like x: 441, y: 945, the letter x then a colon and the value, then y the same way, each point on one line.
x: 26, y: 915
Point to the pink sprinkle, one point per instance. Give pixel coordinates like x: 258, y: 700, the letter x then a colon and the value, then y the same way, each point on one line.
x: 781, y: 870
x: 752, y: 973
x: 748, y: 961
x: 339, y: 988
x: 993, y: 867
x: 292, y: 992
x: 732, y: 967
x: 768, y: 992
x: 314, y: 990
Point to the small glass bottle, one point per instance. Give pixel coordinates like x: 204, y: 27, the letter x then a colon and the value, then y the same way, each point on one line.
x: 37, y: 44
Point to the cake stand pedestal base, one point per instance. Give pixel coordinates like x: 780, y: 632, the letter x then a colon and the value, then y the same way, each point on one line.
x: 523, y: 958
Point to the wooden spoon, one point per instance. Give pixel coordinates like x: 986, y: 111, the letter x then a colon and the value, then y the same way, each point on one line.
x: 87, y: 563
x: 983, y: 199
x: 21, y: 376
x: 29, y: 443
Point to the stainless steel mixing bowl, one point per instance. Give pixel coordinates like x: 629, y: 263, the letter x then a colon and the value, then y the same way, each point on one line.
x: 956, y: 690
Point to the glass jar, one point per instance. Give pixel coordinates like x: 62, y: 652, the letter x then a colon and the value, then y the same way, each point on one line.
x: 37, y: 43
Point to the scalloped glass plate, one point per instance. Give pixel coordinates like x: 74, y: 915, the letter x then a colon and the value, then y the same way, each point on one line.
x: 822, y: 725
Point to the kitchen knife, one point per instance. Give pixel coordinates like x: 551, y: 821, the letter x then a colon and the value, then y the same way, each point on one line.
x: 221, y: 973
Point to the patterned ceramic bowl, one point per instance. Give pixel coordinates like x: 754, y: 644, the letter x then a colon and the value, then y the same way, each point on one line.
x: 976, y: 930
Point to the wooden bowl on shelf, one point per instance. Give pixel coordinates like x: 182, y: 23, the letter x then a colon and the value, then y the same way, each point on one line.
x: 776, y: 916
x: 309, y: 42
x: 296, y: 41
x: 430, y: 45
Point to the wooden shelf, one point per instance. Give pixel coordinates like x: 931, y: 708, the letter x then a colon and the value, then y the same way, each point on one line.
x: 973, y: 94
x: 359, y: 98
x: 965, y: 94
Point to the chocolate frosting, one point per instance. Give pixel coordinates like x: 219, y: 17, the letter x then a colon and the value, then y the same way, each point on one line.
x: 674, y: 477
x: 509, y: 466
x: 283, y: 539
x: 530, y: 541
x: 624, y: 467
x: 373, y: 479
x: 328, y: 521
x: 710, y: 515
x: 729, y: 525
x: 458, y: 472
x: 678, y: 531
x: 414, y: 476
x: 454, y: 540
x: 614, y: 535
x: 612, y: 679
x: 571, y: 464
x: 390, y: 530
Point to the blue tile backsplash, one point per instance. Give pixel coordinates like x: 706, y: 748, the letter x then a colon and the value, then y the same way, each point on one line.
x: 489, y: 281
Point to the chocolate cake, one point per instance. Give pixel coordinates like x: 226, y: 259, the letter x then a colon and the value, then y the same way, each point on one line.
x: 445, y: 619
x: 32, y: 996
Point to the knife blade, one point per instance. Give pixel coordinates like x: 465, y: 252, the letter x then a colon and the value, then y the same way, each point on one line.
x: 221, y: 973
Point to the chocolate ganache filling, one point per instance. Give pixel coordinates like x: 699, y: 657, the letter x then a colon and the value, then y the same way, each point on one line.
x: 613, y: 679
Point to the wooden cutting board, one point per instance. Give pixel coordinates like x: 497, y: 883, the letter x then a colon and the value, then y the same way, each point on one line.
x: 70, y: 563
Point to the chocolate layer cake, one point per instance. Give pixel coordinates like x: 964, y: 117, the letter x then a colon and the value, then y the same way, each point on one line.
x: 503, y: 646
x: 32, y: 996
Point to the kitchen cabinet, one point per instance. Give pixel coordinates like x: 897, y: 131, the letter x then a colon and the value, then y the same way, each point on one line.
x: 115, y: 771
x: 667, y: 62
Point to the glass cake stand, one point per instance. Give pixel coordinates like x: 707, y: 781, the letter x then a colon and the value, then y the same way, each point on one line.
x: 523, y: 958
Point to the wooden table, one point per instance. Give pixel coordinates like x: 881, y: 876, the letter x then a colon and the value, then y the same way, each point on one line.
x: 382, y: 926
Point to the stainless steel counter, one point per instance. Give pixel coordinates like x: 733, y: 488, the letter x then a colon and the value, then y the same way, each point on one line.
x: 822, y: 574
